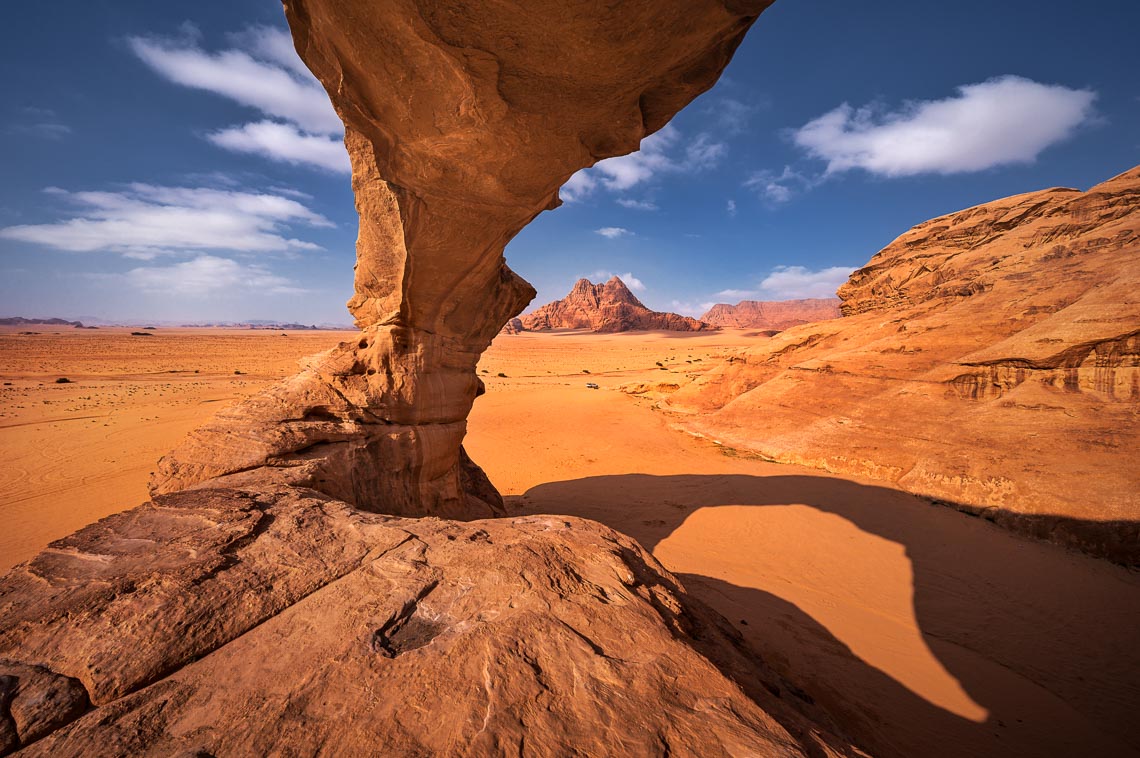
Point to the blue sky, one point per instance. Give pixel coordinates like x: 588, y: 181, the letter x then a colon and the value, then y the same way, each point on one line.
x: 175, y: 162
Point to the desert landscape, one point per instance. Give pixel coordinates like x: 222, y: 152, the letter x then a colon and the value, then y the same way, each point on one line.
x: 854, y: 590
x: 902, y: 521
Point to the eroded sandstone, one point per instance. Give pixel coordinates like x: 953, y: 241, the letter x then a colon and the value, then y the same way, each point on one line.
x: 989, y: 359
x: 462, y: 121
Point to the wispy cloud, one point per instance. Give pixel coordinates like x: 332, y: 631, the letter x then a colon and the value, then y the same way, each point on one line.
x: 730, y: 207
x: 775, y: 189
x: 630, y: 280
x: 782, y: 283
x: 690, y: 308
x: 736, y: 294
x: 797, y: 282
x: 613, y: 232
x: 38, y: 122
x: 265, y: 74
x: 732, y: 115
x: 637, y: 205
x: 209, y: 275
x: 664, y: 152
x: 1001, y: 121
x: 146, y: 220
x: 284, y: 142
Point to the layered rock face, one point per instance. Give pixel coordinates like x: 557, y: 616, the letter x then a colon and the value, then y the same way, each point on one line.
x: 608, y: 307
x: 989, y: 358
x: 775, y: 315
x: 462, y: 120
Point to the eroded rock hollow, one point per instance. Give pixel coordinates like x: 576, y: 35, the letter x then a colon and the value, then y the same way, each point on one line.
x: 462, y: 121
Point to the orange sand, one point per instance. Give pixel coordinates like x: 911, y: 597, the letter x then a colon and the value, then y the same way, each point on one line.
x: 926, y: 631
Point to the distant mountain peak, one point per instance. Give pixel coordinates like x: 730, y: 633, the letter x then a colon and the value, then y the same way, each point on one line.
x: 606, y: 307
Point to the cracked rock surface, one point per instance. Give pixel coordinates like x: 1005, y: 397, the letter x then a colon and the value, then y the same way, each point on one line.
x: 229, y: 622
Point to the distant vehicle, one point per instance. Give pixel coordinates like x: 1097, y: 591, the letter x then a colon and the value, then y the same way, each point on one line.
x: 591, y: 386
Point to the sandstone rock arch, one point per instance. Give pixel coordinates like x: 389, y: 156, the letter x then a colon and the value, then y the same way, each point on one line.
x: 462, y: 121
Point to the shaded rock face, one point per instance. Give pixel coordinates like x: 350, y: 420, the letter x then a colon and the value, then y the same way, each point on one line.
x: 514, y: 326
x: 608, y: 307
x: 772, y: 314
x: 229, y: 622
x: 509, y: 101
x: 989, y: 359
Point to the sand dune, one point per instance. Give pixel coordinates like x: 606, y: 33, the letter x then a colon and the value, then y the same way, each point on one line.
x: 919, y: 627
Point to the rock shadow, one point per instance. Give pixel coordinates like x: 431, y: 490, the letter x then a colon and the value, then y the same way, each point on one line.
x: 1041, y: 637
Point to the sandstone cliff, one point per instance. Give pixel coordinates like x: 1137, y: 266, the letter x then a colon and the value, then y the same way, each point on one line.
x: 772, y: 314
x: 608, y: 307
x: 989, y: 358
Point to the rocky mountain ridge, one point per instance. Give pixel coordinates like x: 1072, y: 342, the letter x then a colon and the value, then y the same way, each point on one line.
x: 606, y: 307
x: 772, y: 314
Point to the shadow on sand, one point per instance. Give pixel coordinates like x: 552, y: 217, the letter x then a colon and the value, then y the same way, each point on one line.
x: 1043, y: 639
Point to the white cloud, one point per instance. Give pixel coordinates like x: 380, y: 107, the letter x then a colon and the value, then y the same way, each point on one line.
x: 630, y: 280
x: 613, y: 232
x: 783, y: 283
x: 271, y: 43
x: 736, y: 294
x: 732, y: 114
x: 209, y: 275
x: 1004, y: 120
x: 797, y: 282
x: 285, y: 143
x: 690, y: 308
x: 269, y: 87
x: 775, y: 188
x: 265, y: 75
x: 730, y: 207
x: 577, y: 187
x: 147, y: 220
x: 660, y: 153
x: 637, y: 205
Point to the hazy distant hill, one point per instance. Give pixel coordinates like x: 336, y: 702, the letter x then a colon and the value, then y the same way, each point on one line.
x: 772, y: 314
x: 21, y: 321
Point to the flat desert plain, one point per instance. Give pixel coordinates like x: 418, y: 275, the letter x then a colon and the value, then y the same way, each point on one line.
x: 923, y: 630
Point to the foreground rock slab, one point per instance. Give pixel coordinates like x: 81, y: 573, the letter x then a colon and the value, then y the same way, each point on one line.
x: 228, y: 622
